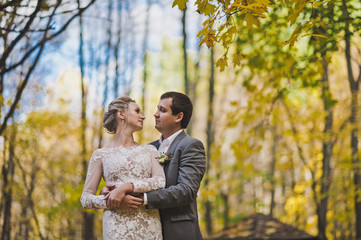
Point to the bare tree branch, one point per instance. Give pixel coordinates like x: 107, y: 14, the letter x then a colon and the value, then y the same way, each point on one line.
x: 8, y: 4
x: 38, y: 47
x: 44, y: 39
x: 20, y: 36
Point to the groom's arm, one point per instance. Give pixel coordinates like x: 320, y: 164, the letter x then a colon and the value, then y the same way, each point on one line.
x: 192, y: 166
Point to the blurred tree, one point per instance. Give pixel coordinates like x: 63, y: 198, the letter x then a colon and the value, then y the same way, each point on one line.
x: 108, y: 50
x: 23, y: 41
x: 185, y: 55
x: 118, y: 35
x: 273, y: 167
x: 7, y: 172
x: 45, y: 184
x: 266, y: 82
x: 88, y: 217
x: 194, y: 80
x: 145, y: 62
x: 210, y: 140
x: 130, y: 49
x: 352, y: 24
x: 323, y: 48
x: 319, y: 25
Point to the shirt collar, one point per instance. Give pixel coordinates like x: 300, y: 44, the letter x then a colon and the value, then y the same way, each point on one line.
x: 171, y: 138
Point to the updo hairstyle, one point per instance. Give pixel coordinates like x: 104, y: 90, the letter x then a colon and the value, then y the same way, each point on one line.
x: 109, y: 118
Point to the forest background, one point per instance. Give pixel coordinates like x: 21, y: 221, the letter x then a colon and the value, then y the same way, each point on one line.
x: 275, y: 85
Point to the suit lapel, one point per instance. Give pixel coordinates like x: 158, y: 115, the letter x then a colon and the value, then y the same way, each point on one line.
x: 175, y: 142
x: 156, y: 144
x: 173, y: 147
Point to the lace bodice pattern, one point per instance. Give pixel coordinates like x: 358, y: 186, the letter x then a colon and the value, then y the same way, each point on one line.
x: 138, y: 165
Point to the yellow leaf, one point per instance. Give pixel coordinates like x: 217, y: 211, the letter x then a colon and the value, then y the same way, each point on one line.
x: 208, y: 37
x: 264, y: 2
x: 317, y: 4
x: 227, y: 37
x: 241, y: 6
x: 1, y: 100
x: 315, y: 35
x: 202, y: 32
x: 222, y: 63
x: 296, y: 33
x: 205, y: 8
x: 209, y: 9
x: 206, y: 22
x: 237, y: 57
x: 251, y: 20
x: 234, y: 103
x: 180, y: 3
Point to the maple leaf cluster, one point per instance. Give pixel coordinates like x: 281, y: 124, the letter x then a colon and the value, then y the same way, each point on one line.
x: 237, y: 14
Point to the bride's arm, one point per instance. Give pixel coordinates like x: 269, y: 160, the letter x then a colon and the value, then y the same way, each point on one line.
x: 89, y: 199
x: 157, y: 179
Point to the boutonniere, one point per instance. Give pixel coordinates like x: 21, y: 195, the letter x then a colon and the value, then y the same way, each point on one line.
x: 164, y: 158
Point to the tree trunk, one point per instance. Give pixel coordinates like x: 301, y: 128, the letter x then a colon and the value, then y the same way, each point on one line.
x: 126, y: 47
x: 117, y: 48
x: 185, y: 56
x: 354, y: 88
x: 4, y: 173
x: 131, y: 49
x: 356, y: 161
x: 145, y: 63
x: 194, y: 84
x: 210, y: 139
x: 272, y: 169
x: 303, y: 159
x: 8, y: 170
x: 224, y: 197
x: 28, y: 211
x: 327, y: 147
x: 88, y: 218
x: 106, y: 81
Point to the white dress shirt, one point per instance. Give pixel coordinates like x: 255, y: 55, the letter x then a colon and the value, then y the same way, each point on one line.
x: 165, y: 143
x: 163, y: 148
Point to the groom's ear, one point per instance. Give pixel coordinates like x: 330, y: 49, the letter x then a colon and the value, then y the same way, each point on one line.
x: 179, y: 117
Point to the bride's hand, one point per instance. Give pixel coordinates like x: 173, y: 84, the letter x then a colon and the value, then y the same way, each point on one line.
x: 115, y: 197
x: 105, y: 190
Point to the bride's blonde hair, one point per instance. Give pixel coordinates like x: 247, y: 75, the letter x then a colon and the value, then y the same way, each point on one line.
x: 109, y: 118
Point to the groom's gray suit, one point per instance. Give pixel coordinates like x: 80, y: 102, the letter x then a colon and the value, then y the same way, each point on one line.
x: 177, y: 201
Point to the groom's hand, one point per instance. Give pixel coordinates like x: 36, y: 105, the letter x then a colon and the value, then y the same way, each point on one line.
x: 105, y: 190
x: 132, y: 201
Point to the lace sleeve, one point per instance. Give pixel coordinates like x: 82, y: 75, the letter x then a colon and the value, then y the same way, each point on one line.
x: 157, y: 179
x: 88, y: 198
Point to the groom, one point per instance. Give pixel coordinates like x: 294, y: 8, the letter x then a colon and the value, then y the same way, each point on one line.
x: 177, y: 202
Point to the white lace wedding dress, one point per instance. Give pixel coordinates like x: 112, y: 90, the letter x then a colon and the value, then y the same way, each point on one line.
x: 138, y: 165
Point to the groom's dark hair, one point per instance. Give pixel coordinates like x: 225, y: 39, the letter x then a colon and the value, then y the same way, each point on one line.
x: 180, y: 103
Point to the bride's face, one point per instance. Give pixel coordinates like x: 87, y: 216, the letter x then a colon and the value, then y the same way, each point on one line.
x: 134, y: 117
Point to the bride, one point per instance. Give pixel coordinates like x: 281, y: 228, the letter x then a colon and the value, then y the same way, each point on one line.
x: 132, y: 168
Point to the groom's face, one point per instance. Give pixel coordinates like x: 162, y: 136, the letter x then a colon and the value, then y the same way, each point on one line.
x: 164, y: 120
